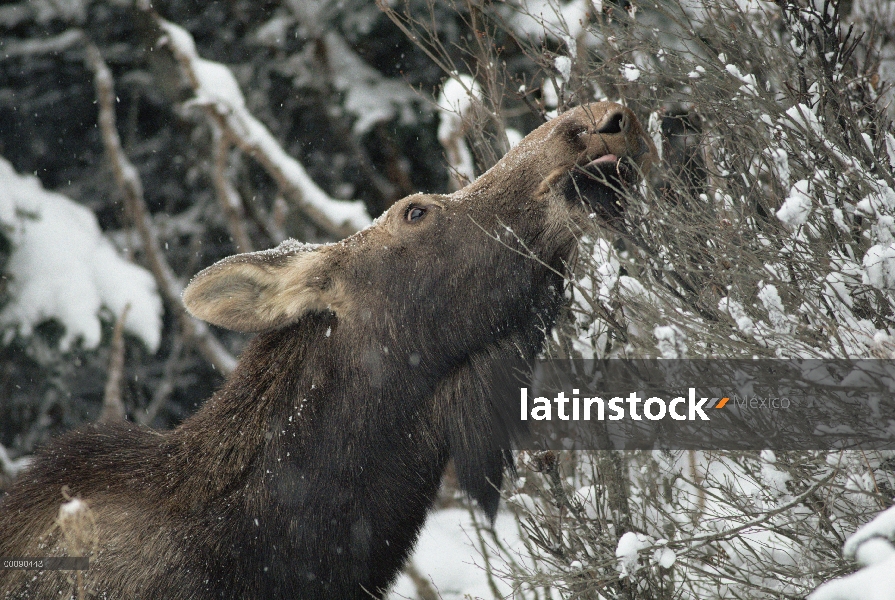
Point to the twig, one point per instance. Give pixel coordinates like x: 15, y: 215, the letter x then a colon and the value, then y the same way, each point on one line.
x: 44, y: 45
x: 113, y: 406
x: 165, y: 388
x: 228, y: 197
x: 424, y: 588
x: 128, y: 180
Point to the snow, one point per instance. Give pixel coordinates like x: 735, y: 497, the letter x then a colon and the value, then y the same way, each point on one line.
x: 217, y: 85
x: 749, y: 86
x: 883, y: 526
x: 629, y: 545
x: 369, y: 96
x: 870, y: 546
x: 672, y: 342
x: 72, y: 508
x: 62, y: 268
x: 12, y: 467
x: 630, y: 72
x: 217, y: 88
x: 879, y: 203
x: 664, y: 557
x: 770, y: 298
x: 802, y: 115
x: 738, y: 313
x: 780, y: 161
x: 446, y: 555
x: 554, y: 18
x: 654, y: 127
x: 879, y: 267
x: 563, y: 64
x: 514, y: 136
x: 797, y: 206
x: 458, y: 95
x: 872, y: 583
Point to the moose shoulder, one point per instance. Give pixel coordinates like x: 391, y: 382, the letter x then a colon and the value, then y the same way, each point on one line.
x: 310, y: 473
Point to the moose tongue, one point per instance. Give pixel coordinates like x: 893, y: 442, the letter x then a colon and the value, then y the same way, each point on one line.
x: 606, y: 158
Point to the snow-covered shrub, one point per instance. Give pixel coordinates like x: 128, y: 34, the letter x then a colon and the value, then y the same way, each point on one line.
x: 61, y: 267
x: 768, y: 231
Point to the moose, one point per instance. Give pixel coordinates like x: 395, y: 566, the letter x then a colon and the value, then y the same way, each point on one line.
x: 310, y: 473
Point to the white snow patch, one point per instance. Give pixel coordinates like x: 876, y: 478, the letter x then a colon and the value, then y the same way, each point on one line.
x: 738, y: 313
x: 672, y: 342
x: 797, y: 206
x: 770, y: 298
x: 870, y: 546
x: 514, y: 136
x: 882, y: 526
x: 217, y: 84
x: 628, y: 547
x: 879, y: 267
x: 446, y: 555
x: 563, y: 64
x: 749, y: 86
x: 566, y: 22
x: 664, y: 557
x: 458, y: 95
x: 630, y: 72
x: 872, y: 583
x: 654, y: 127
x: 63, y: 268
x: 780, y: 162
x: 12, y: 467
x: 369, y: 96
x: 801, y: 115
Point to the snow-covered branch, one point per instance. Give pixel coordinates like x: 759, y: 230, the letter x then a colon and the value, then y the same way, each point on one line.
x: 217, y: 91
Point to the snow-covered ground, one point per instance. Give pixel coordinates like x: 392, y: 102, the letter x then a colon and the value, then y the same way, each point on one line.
x: 447, y: 556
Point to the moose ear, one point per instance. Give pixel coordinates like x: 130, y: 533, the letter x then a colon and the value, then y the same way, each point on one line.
x: 264, y: 290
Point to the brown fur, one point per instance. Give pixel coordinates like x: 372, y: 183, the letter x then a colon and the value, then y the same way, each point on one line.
x: 310, y: 473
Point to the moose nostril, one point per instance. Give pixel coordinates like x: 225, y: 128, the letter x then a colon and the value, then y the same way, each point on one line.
x: 614, y: 123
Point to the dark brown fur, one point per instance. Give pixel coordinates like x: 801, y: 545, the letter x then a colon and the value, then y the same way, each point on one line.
x: 310, y: 473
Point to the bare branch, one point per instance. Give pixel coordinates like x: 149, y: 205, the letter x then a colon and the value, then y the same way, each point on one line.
x: 113, y: 406
x: 228, y: 197
x: 128, y: 180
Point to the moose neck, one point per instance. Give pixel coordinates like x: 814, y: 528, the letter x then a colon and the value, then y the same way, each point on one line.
x: 308, y: 456
x: 295, y: 390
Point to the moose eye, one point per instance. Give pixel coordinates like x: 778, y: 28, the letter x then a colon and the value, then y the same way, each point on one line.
x: 414, y: 214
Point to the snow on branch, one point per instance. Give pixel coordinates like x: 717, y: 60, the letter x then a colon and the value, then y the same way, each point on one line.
x: 217, y: 91
x: 871, y: 547
x: 63, y: 268
x: 128, y: 180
